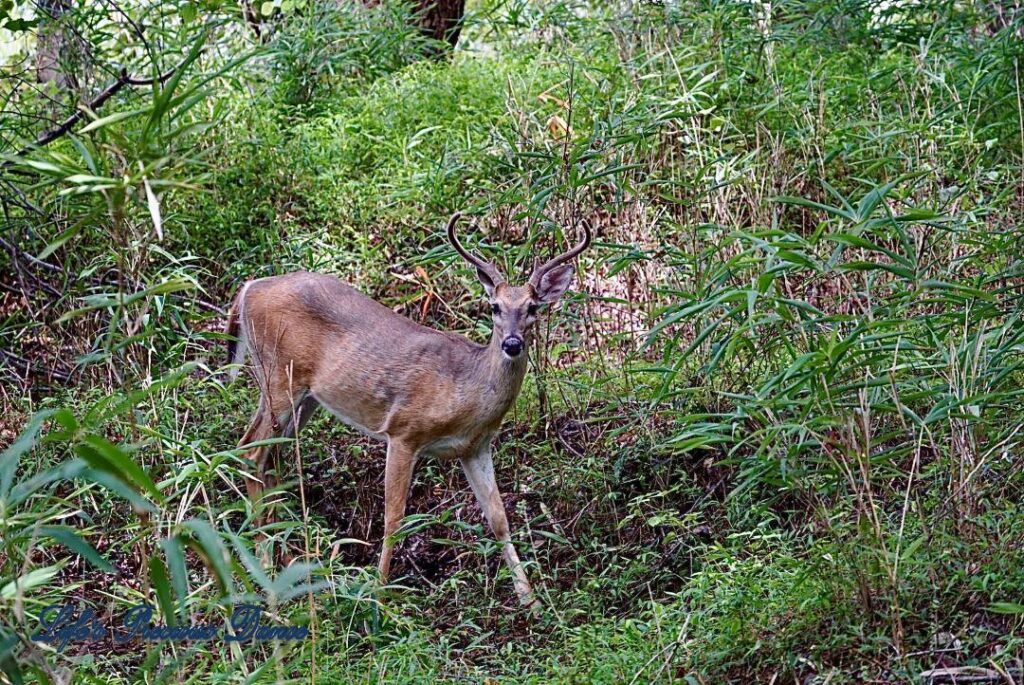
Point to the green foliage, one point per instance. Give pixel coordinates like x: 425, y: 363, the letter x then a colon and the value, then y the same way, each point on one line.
x: 12, y: 23
x: 773, y: 436
x: 323, y: 48
x: 39, y: 525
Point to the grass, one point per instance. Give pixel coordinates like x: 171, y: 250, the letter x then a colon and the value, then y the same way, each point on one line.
x: 774, y: 435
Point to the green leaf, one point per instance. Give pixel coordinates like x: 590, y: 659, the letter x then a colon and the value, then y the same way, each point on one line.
x: 117, y: 486
x: 553, y: 536
x: 90, y: 179
x: 154, y: 209
x: 16, y: 25
x: 66, y: 420
x: 29, y: 581
x: 908, y: 552
x: 105, y: 300
x: 959, y: 289
x: 111, y: 119
x: 176, y: 565
x: 811, y: 204
x: 41, y: 166
x: 900, y: 271
x: 162, y: 586
x: 101, y: 454
x: 26, y: 441
x: 869, y: 202
x: 28, y: 487
x: 208, y: 544
x: 296, y: 580
x: 252, y: 565
x: 8, y: 665
x: 85, y: 154
x: 162, y: 96
x: 72, y: 541
x: 1006, y: 608
x: 62, y: 238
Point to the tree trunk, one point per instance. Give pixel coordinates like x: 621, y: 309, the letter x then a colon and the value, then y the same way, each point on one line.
x: 441, y: 19
x: 50, y: 43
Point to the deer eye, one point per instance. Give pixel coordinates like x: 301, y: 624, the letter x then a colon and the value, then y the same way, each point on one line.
x: 495, y: 309
x: 531, y: 310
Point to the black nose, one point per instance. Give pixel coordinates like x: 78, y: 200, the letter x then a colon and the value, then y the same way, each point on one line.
x: 512, y: 346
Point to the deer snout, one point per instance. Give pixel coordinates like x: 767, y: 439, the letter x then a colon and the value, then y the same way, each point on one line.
x: 512, y: 346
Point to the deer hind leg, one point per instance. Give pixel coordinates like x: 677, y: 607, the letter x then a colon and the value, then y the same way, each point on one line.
x: 296, y: 417
x: 397, y: 479
x: 273, y: 419
x: 260, y: 428
x: 479, y: 470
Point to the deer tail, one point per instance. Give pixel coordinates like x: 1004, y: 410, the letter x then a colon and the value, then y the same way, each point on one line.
x: 236, y: 343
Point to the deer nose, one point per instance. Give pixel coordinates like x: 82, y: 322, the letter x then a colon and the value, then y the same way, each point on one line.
x: 512, y: 346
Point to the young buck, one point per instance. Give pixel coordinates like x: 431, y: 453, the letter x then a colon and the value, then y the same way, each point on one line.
x: 318, y: 342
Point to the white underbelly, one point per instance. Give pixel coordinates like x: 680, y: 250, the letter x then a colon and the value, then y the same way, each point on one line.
x: 350, y: 422
x: 446, y: 447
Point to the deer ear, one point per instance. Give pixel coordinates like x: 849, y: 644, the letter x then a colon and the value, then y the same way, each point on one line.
x: 554, y: 283
x: 487, y: 281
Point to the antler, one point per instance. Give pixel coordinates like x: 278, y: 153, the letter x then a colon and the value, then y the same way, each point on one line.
x: 486, y: 267
x: 539, y: 272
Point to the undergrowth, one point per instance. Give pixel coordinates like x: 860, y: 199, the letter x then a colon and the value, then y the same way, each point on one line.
x: 773, y: 434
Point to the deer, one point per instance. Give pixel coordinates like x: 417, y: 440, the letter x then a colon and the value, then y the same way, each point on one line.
x: 318, y: 342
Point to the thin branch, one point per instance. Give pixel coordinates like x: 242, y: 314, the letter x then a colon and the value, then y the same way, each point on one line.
x: 22, y: 199
x: 37, y: 262
x: 27, y: 367
x: 139, y: 32
x: 110, y: 91
x: 252, y: 19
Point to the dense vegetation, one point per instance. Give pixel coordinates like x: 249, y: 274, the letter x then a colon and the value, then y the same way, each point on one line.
x: 773, y: 434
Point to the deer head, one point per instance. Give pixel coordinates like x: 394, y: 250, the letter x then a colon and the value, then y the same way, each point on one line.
x: 514, y: 308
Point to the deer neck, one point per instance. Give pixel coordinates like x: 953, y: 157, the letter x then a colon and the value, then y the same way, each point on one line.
x: 505, y: 375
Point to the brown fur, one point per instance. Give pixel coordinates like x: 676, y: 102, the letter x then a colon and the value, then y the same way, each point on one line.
x: 378, y: 366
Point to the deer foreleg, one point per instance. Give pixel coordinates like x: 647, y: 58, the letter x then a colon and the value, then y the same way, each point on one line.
x: 397, y: 479
x: 479, y: 471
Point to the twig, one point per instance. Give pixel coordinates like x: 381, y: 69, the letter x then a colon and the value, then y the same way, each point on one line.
x: 252, y: 19
x: 31, y: 368
x: 33, y: 260
x: 110, y: 91
x: 21, y: 201
x: 967, y: 674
